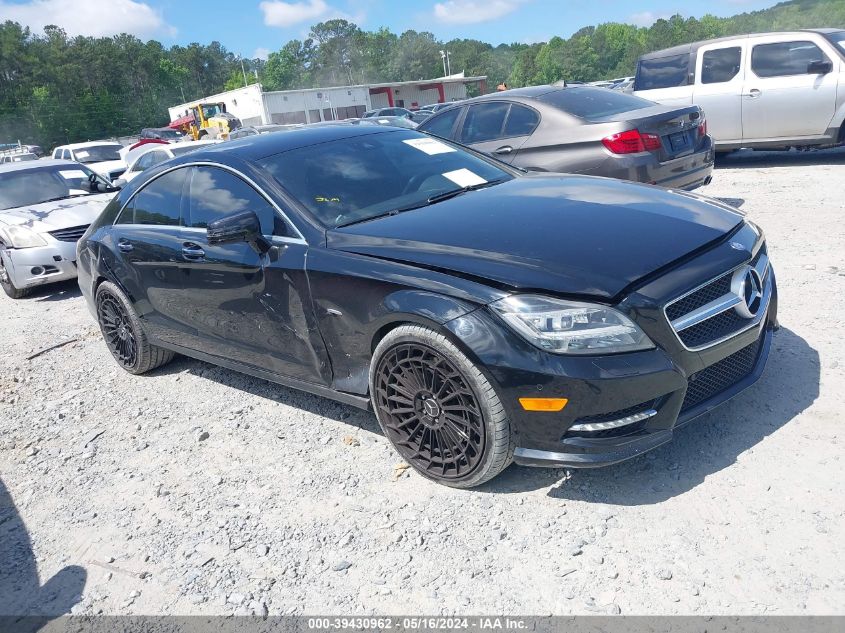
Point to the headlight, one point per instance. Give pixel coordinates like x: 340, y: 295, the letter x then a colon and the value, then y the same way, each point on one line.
x: 568, y: 327
x: 22, y: 237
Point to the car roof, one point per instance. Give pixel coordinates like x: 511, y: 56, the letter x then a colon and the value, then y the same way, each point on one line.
x: 527, y: 94
x: 692, y: 47
x: 86, y: 144
x: 35, y: 164
x: 260, y: 146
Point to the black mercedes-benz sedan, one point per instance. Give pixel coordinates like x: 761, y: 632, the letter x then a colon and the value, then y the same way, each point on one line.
x: 486, y: 315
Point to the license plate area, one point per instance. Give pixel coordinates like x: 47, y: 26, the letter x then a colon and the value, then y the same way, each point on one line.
x: 679, y: 141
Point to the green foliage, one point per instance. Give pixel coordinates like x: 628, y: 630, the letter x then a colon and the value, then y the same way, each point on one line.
x: 56, y: 89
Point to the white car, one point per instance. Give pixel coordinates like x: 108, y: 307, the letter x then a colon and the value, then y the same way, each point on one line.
x: 101, y: 156
x: 45, y: 207
x: 152, y: 154
x: 765, y: 90
x: 18, y: 157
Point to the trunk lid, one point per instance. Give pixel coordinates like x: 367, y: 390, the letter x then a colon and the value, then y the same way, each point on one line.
x: 677, y: 127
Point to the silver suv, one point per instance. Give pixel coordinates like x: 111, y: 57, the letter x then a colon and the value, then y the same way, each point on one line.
x: 764, y: 90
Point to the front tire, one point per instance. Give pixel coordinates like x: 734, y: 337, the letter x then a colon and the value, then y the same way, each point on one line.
x: 123, y: 333
x: 8, y: 287
x: 438, y: 409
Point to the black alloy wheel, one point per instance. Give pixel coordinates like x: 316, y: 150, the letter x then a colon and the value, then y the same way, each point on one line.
x: 430, y: 412
x: 117, y: 329
x: 123, y: 333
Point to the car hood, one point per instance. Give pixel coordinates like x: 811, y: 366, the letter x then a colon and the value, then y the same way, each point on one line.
x: 575, y: 235
x: 60, y: 214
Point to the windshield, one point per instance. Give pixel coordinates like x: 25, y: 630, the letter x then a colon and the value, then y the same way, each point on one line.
x: 97, y: 153
x: 353, y: 179
x: 838, y: 38
x: 594, y: 103
x: 211, y: 110
x: 25, y: 187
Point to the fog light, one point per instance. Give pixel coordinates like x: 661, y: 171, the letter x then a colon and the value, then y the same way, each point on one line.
x: 613, y: 424
x: 36, y: 270
x: 543, y: 404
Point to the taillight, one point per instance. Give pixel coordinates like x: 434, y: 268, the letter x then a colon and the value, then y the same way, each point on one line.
x: 702, y: 128
x: 631, y: 142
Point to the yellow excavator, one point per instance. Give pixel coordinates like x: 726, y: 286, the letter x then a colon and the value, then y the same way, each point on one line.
x: 206, y: 121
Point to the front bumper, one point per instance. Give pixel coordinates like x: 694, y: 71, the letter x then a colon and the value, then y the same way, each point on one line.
x: 30, y: 267
x: 671, y: 384
x: 597, y: 452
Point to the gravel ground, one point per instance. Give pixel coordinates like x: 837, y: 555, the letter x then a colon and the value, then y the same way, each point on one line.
x: 197, y: 490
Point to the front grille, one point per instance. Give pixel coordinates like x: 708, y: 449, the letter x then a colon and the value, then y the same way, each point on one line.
x: 72, y: 234
x: 721, y: 325
x: 713, y: 380
x: 700, y: 297
x: 713, y: 329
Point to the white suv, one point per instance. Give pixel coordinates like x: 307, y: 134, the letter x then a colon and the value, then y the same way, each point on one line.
x: 768, y: 90
x: 102, y: 157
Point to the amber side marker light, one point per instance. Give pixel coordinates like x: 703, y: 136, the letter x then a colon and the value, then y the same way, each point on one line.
x: 543, y: 404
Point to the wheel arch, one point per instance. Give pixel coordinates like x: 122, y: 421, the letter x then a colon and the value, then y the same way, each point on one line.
x: 404, y: 307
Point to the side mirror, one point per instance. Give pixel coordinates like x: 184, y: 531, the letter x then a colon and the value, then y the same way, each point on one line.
x: 819, y: 67
x: 238, y: 227
x: 119, y: 183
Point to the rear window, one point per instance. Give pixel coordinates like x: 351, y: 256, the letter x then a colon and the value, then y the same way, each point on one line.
x: 662, y: 72
x: 594, y: 103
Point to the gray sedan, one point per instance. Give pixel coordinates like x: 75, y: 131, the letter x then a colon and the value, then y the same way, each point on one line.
x: 585, y: 130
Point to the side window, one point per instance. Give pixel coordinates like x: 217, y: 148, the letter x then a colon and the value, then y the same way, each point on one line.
x: 158, y: 203
x: 216, y: 193
x: 720, y: 65
x: 67, y: 155
x: 484, y: 122
x: 784, y: 58
x: 442, y: 124
x: 663, y: 72
x: 57, y: 153
x: 521, y: 121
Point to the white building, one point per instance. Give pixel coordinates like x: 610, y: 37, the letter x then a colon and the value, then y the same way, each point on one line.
x: 253, y: 106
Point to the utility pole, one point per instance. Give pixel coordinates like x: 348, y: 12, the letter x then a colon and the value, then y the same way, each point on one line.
x: 444, y: 55
x: 243, y: 70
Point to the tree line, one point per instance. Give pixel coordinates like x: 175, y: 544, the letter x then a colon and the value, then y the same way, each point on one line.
x: 57, y: 89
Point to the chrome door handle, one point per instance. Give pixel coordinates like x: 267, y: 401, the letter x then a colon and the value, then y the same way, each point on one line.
x: 125, y: 245
x: 507, y: 149
x: 192, y: 251
x: 753, y: 93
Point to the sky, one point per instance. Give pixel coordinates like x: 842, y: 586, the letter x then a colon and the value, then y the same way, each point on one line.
x: 253, y: 28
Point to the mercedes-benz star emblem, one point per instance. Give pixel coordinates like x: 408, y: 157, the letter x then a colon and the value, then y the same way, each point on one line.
x: 747, y: 285
x: 737, y: 246
x: 432, y: 409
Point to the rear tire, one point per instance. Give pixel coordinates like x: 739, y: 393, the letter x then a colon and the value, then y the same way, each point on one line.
x: 123, y: 333
x: 8, y: 287
x: 438, y: 409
